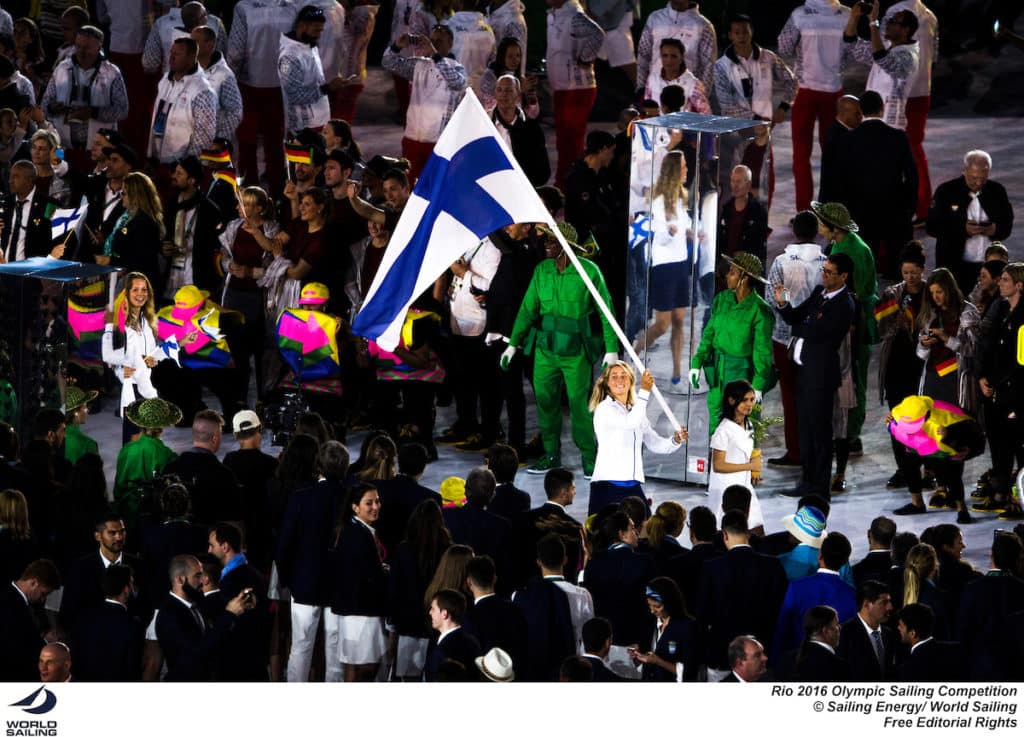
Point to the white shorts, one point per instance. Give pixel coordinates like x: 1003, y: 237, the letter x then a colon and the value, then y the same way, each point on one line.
x: 363, y: 641
x: 617, y: 48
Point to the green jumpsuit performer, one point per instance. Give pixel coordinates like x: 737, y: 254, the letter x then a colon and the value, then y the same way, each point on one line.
x: 554, y: 323
x: 146, y: 456
x: 840, y: 233
x: 76, y: 409
x: 737, y: 341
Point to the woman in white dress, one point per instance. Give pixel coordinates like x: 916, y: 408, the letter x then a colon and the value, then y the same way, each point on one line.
x: 622, y: 429
x: 731, y: 448
x: 671, y: 266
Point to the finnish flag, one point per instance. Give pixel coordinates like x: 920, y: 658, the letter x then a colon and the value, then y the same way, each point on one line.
x: 63, y: 222
x: 471, y: 186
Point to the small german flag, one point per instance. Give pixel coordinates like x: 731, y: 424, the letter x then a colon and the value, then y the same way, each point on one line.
x: 298, y: 154
x: 886, y: 308
x: 227, y: 175
x: 216, y: 155
x: 946, y: 367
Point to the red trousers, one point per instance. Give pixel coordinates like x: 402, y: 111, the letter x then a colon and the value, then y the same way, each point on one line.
x: 417, y: 152
x: 141, y: 88
x: 263, y: 114
x: 343, y: 104
x: 917, y: 116
x: 572, y: 111
x: 786, y: 370
x: 808, y: 107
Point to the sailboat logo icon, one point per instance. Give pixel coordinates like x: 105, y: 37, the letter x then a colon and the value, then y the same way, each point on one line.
x: 46, y: 706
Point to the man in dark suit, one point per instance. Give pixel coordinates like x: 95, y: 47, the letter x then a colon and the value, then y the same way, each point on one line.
x: 688, y: 565
x: 867, y: 645
x: 245, y: 655
x: 508, y: 501
x: 984, y: 607
x: 740, y: 593
x: 171, y: 536
x: 104, y: 193
x: 25, y: 217
x: 848, y: 117
x: 743, y: 224
x: 106, y: 639
x: 84, y: 585
x: 216, y: 494
x: 529, y: 527
x: 597, y: 643
x: 966, y: 215
x: 307, y: 534
x: 747, y: 660
x: 473, y: 525
x: 252, y: 467
x: 876, y: 564
x: 20, y: 638
x: 819, y: 324
x: 929, y: 660
x: 816, y: 660
x: 402, y: 494
x: 189, y: 644
x: 453, y: 643
x: 878, y: 181
x: 492, y: 619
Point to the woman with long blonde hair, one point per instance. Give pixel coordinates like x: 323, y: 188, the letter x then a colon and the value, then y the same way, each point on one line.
x: 671, y: 268
x: 134, y: 243
x: 622, y: 430
x: 920, y: 573
x: 132, y: 357
x: 662, y: 529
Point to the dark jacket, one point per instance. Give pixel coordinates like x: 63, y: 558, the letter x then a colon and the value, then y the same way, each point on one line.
x: 601, y: 673
x: 740, y: 593
x: 982, y: 629
x: 245, y: 652
x: 831, y: 184
x: 486, y: 533
x: 252, y: 467
x: 305, y: 541
x: 617, y: 579
x: 136, y: 247
x: 398, y: 497
x: 822, y: 323
x: 106, y: 644
x: 676, y: 645
x: 459, y: 646
x: 508, y: 501
x: 96, y: 195
x: 549, y: 629
x: 753, y: 231
x: 38, y: 233
x: 947, y: 217
x: 216, y: 495
x: 872, y: 567
x: 496, y: 622
x: 528, y: 146
x: 856, y: 649
x: 933, y: 661
x: 205, y: 243
x: 188, y: 647
x: 530, y: 527
x: 20, y: 640
x: 83, y: 588
x: 360, y: 582
x: 815, y: 664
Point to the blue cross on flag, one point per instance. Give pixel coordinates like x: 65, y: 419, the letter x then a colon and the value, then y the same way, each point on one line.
x: 639, y: 230
x: 470, y: 187
x: 63, y: 222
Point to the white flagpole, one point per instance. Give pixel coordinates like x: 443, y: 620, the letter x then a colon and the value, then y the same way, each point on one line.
x: 607, y: 314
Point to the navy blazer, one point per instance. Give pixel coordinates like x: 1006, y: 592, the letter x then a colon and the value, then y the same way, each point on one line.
x: 617, y: 579
x: 20, y: 641
x: 601, y: 673
x: 509, y: 501
x: 856, y: 648
x: 38, y: 232
x: 360, y: 579
x: 872, y: 567
x: 305, y: 541
x: 245, y: 652
x: 529, y: 527
x: 487, y: 534
x: 933, y: 661
x: 818, y: 665
x: 740, y: 593
x: 687, y: 567
x: 496, y: 622
x: 984, y: 608
x: 215, y: 492
x: 676, y: 645
x: 161, y: 542
x: 459, y: 646
x: 549, y: 626
x: 407, y: 586
x: 83, y: 588
x: 822, y: 324
x: 106, y: 644
x: 189, y: 649
x: 398, y: 497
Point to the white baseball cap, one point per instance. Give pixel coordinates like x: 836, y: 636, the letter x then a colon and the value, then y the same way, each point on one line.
x: 245, y: 420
